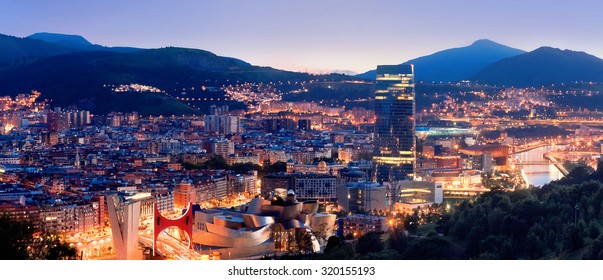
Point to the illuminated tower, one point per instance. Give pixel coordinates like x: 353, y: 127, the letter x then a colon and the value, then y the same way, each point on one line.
x: 394, y: 143
x: 124, y: 217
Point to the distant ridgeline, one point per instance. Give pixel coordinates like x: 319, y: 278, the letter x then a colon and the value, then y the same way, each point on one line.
x: 71, y: 71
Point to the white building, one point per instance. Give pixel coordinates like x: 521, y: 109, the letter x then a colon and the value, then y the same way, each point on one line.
x: 223, y: 148
x: 222, y: 125
x: 243, y: 158
x: 315, y: 187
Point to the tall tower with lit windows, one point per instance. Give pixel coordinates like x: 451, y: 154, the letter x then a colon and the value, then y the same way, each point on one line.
x: 394, y: 141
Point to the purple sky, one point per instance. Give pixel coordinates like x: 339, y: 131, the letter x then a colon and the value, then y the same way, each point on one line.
x: 315, y: 35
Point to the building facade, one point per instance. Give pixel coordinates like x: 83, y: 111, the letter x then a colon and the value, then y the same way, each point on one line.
x: 394, y: 143
x: 222, y: 125
x: 362, y: 197
x: 320, y: 187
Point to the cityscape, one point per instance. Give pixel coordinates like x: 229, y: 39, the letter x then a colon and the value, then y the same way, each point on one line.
x: 478, y: 152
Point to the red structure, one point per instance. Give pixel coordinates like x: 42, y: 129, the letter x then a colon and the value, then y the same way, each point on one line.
x: 184, y: 223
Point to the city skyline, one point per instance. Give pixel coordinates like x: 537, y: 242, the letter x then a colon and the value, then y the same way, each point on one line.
x: 301, y: 163
x: 314, y: 36
x: 163, y: 151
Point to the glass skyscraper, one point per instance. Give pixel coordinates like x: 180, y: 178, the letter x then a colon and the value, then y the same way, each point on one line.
x: 394, y: 142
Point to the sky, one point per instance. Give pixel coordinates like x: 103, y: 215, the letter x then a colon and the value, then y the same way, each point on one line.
x: 315, y: 35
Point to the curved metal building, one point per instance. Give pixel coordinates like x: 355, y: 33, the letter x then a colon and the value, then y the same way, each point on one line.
x: 237, y: 231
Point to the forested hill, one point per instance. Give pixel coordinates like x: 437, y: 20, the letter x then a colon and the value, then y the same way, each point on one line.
x: 561, y: 220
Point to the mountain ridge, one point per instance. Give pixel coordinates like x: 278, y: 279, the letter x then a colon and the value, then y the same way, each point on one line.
x: 79, y: 78
x: 543, y: 66
x: 456, y: 64
x: 73, y: 41
x: 72, y: 76
x: 13, y: 49
x: 76, y: 42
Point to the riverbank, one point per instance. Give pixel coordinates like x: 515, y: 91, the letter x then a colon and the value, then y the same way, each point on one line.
x: 539, y: 174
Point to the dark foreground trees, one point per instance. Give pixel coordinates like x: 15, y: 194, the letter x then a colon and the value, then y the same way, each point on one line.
x: 558, y: 221
x: 20, y: 241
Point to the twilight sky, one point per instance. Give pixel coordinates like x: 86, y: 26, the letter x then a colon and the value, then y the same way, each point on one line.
x: 315, y: 35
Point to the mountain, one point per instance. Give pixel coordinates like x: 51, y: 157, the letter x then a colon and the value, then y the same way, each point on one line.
x: 71, y: 41
x: 458, y: 63
x: 76, y: 42
x: 85, y: 79
x: 344, y: 72
x: 71, y: 71
x: 14, y: 49
x: 543, y: 66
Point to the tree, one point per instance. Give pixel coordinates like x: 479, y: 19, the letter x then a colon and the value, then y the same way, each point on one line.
x: 216, y: 162
x: 277, y: 167
x: 332, y: 243
x: 476, y: 234
x: 594, y: 251
x: 337, y: 249
x: 50, y: 247
x: 189, y: 166
x: 599, y: 172
x: 369, y: 243
x: 244, y: 167
x: 20, y: 241
x: 572, y: 237
x: 411, y: 224
x: 398, y: 241
x: 432, y: 248
x: 534, y: 247
x: 593, y: 229
x: 580, y: 174
x: 386, y: 254
x: 506, y: 250
x: 14, y: 239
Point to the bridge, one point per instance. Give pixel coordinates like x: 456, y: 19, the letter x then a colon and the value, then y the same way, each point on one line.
x: 169, y: 247
x: 534, y: 145
x: 533, y: 162
x: 548, y: 159
x: 524, y: 148
x: 556, y: 163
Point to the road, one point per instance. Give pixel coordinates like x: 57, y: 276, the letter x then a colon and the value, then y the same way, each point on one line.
x: 169, y: 247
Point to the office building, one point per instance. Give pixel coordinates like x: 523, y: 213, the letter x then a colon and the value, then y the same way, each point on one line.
x: 319, y: 187
x: 394, y: 142
x: 362, y: 197
x: 276, y: 125
x: 222, y: 125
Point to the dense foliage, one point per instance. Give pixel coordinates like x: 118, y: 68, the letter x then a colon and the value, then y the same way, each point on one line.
x: 560, y: 220
x: 20, y: 241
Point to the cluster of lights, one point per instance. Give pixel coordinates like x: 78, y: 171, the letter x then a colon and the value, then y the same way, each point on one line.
x: 135, y: 88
